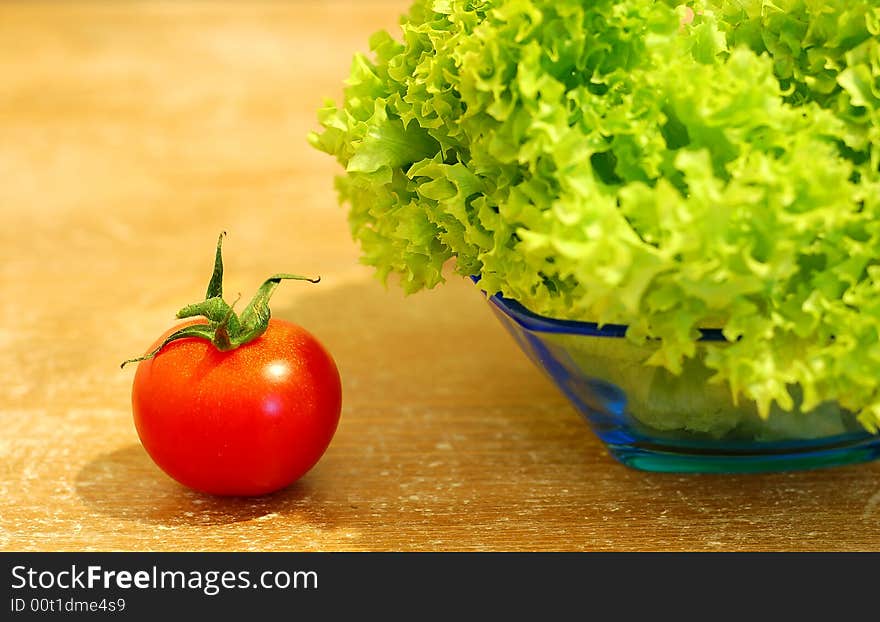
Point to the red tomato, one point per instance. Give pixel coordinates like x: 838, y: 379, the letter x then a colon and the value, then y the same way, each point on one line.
x: 249, y: 421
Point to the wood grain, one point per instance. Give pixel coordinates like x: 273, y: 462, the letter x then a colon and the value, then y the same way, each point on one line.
x: 130, y: 135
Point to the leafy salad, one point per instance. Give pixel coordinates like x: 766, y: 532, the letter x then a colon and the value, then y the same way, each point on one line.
x: 639, y: 162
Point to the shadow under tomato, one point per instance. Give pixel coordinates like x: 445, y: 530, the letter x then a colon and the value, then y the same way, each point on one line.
x: 126, y: 484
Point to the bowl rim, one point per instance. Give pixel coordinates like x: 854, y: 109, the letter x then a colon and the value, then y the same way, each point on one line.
x: 540, y: 323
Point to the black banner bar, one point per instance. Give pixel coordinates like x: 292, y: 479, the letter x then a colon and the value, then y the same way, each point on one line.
x: 237, y: 585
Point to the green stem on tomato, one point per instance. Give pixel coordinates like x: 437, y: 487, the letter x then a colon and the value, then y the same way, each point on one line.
x: 226, y: 330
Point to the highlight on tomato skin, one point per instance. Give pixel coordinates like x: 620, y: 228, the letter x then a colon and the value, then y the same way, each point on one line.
x: 246, y: 422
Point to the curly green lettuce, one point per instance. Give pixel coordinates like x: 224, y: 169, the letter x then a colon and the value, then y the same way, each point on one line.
x: 637, y: 162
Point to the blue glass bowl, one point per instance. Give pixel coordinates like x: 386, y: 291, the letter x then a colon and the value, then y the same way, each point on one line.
x: 653, y: 420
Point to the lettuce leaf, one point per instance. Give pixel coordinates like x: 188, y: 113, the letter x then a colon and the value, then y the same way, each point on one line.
x: 611, y: 161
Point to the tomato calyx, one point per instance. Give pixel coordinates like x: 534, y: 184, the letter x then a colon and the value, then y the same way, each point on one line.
x: 225, y: 329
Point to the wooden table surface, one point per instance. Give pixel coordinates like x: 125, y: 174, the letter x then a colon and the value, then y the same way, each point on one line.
x: 130, y: 135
